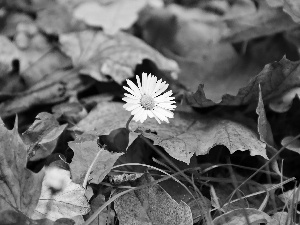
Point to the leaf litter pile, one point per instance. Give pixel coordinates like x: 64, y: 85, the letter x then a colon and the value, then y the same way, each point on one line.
x: 173, y: 112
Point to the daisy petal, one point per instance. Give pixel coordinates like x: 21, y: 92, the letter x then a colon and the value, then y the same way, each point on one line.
x: 161, y: 90
x: 165, y: 112
x: 144, y: 81
x: 131, y: 96
x: 129, y: 90
x: 166, y: 106
x: 157, y: 87
x: 130, y: 100
x: 130, y: 106
x: 159, y: 115
x: 136, y: 110
x: 139, y: 82
x: 134, y: 88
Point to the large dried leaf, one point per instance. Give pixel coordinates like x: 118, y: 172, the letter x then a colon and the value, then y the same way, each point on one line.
x: 265, y: 21
x: 275, y: 79
x: 112, y: 16
x: 19, y: 187
x: 88, y: 154
x: 104, y: 118
x: 66, y: 202
x: 185, y: 135
x: 151, y: 205
x: 98, y: 54
x: 237, y: 217
x: 189, y: 134
x: 192, y: 36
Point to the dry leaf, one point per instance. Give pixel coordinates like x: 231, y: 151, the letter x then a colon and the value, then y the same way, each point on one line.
x: 112, y: 16
x: 99, y: 55
x: 237, y: 217
x: 292, y: 7
x: 19, y: 186
x: 151, y: 205
x: 55, y: 19
x: 293, y: 146
x: 60, y: 197
x: 189, y: 134
x: 275, y: 79
x: 42, y: 136
x: 265, y: 21
x: 88, y: 154
x: 104, y: 118
x: 185, y: 135
x: 280, y: 218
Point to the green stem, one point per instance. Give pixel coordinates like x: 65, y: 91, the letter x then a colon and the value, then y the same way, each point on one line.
x: 128, y: 121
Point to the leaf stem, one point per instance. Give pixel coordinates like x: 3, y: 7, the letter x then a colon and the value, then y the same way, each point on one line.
x: 128, y: 121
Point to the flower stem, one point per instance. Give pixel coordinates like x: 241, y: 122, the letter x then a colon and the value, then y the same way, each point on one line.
x: 128, y: 121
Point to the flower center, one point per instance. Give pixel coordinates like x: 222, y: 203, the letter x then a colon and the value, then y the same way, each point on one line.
x: 147, y: 102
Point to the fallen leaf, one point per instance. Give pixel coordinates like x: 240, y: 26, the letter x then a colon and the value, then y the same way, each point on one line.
x: 263, y: 125
x: 292, y: 7
x: 40, y: 59
x: 111, y: 16
x: 290, y: 197
x: 189, y: 134
x: 55, y: 19
x: 104, y: 216
x: 99, y: 55
x: 185, y: 135
x: 192, y: 38
x: 151, y: 205
x: 42, y: 136
x: 265, y: 21
x: 284, y: 102
x: 50, y: 90
x: 19, y: 187
x: 237, y: 217
x: 275, y: 79
x: 280, y: 218
x: 13, y: 217
x: 104, y: 118
x: 293, y: 146
x: 8, y: 53
x: 179, y: 193
x: 60, y: 197
x: 87, y: 153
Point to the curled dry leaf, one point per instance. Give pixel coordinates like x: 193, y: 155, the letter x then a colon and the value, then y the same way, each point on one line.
x: 99, y: 55
x: 19, y: 187
x: 275, y: 79
x: 151, y: 205
x: 42, y: 135
x: 264, y: 21
x: 237, y: 217
x: 89, y: 157
x: 284, y: 102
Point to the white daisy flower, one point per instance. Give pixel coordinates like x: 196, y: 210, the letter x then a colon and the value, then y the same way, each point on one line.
x: 147, y: 99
